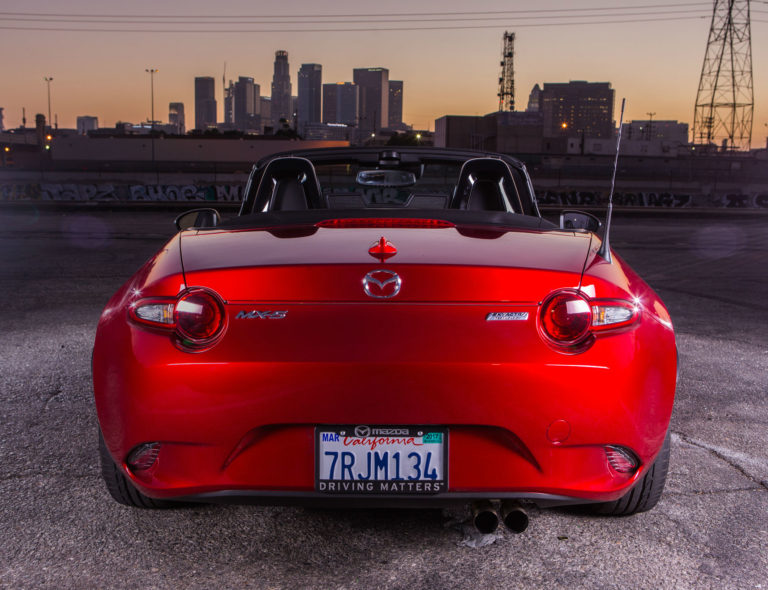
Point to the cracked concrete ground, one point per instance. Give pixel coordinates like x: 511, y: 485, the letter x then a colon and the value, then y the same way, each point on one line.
x: 61, y: 530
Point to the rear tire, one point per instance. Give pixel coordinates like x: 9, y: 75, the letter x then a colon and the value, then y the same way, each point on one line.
x: 120, y: 487
x: 645, y: 494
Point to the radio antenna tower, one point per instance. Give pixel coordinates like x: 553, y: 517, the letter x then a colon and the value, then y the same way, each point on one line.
x: 725, y: 100
x: 507, y: 78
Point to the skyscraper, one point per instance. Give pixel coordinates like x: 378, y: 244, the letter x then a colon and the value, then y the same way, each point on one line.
x: 310, y: 93
x: 341, y: 103
x: 281, y: 91
x: 374, y: 98
x: 176, y: 117
x: 205, y: 102
x: 578, y: 108
x: 265, y: 110
x: 395, y: 104
x: 247, y: 103
x: 534, y: 100
x: 229, y: 105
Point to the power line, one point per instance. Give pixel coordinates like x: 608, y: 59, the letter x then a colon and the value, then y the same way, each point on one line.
x: 387, y: 20
x: 350, y: 30
x: 601, y: 9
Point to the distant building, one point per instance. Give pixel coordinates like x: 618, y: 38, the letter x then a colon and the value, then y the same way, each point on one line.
x: 176, y: 118
x: 246, y: 104
x: 341, y: 103
x: 395, y: 104
x: 374, y: 98
x: 205, y: 103
x: 504, y: 131
x: 265, y: 109
x: 534, y: 100
x: 578, y: 108
x: 310, y: 95
x: 281, y: 91
x: 229, y: 105
x: 87, y: 123
x: 329, y: 131
x: 666, y: 131
x: 2, y: 125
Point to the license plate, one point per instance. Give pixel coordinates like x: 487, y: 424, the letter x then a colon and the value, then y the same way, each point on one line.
x: 381, y: 459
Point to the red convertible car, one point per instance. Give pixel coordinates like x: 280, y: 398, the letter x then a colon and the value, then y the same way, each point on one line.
x: 396, y: 327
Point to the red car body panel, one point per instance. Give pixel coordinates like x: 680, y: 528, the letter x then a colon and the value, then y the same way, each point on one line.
x: 524, y: 418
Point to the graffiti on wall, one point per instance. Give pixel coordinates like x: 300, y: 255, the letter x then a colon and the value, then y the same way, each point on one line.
x: 666, y: 200
x: 110, y: 192
x: 234, y: 193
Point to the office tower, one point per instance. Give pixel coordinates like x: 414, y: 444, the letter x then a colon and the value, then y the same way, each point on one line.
x: 310, y: 93
x: 578, y: 108
x: 281, y: 92
x: 176, y: 117
x: 374, y: 98
x: 205, y: 103
x: 341, y: 103
x: 246, y: 104
x: 229, y: 105
x: 395, y: 103
x: 265, y: 110
x: 87, y: 123
x: 2, y: 126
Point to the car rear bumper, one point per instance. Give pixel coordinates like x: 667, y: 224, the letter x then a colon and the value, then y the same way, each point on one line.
x: 512, y: 433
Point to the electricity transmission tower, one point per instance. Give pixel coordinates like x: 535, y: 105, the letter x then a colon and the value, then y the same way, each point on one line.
x: 725, y: 100
x: 507, y: 78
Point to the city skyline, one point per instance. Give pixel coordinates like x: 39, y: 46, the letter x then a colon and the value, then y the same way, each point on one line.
x: 652, y: 59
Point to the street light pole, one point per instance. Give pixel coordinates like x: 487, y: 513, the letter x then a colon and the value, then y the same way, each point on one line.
x: 151, y: 72
x: 48, y: 81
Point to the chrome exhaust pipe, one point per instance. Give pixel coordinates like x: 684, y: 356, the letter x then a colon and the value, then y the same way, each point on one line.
x: 484, y: 517
x: 513, y: 516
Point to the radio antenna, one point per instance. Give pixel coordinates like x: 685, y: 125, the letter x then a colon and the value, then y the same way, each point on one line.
x: 605, y: 249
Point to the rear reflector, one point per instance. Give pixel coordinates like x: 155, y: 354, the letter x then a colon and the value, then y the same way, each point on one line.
x: 384, y: 222
x: 143, y: 456
x: 621, y: 459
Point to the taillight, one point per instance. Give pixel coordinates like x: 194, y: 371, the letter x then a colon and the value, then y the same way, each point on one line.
x: 196, y: 316
x: 153, y: 312
x: 199, y: 316
x: 612, y: 314
x: 385, y: 222
x: 569, y: 319
x: 566, y: 318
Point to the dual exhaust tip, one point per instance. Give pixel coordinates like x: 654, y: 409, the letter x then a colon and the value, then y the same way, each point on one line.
x: 486, y: 517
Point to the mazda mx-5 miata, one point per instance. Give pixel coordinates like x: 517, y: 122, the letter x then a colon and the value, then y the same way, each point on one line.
x: 387, y: 326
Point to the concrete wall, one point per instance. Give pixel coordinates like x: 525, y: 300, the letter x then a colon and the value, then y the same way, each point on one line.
x: 186, y: 149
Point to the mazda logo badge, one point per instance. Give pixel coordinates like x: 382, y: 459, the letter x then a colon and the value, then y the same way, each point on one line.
x: 382, y: 284
x: 362, y: 431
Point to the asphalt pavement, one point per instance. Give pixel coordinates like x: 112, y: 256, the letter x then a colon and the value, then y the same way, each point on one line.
x: 60, y: 529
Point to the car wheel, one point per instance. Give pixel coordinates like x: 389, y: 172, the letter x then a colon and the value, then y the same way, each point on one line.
x: 120, y: 487
x: 645, y: 494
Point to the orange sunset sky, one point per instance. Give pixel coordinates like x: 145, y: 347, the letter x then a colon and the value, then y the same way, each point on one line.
x: 447, y: 52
